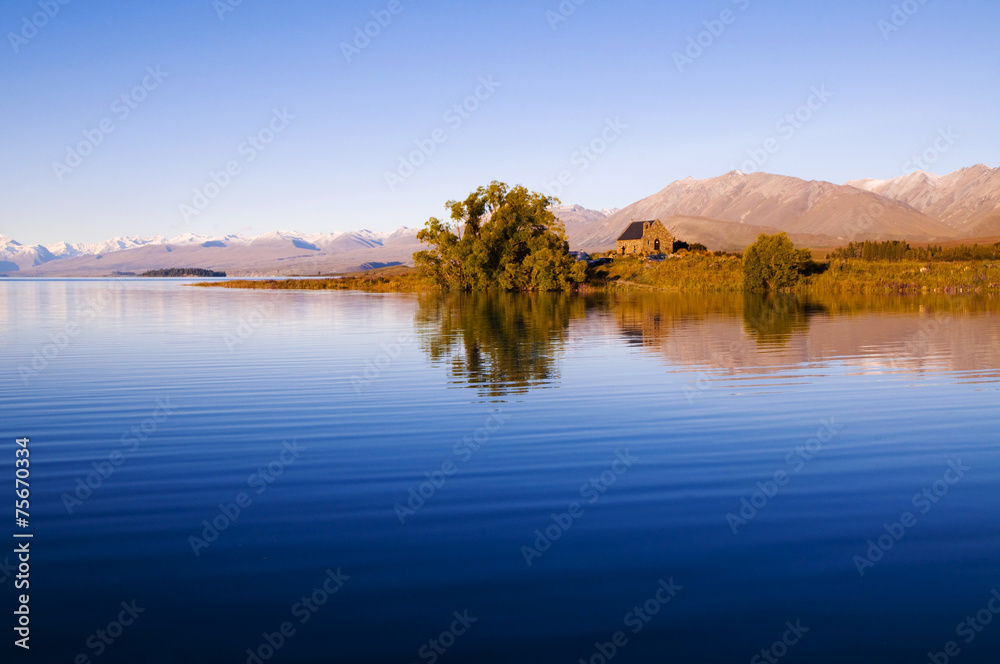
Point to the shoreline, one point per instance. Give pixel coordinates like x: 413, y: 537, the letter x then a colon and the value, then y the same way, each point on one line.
x: 692, y: 273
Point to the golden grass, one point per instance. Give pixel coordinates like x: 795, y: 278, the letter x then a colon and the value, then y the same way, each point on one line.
x: 692, y: 272
x: 394, y: 281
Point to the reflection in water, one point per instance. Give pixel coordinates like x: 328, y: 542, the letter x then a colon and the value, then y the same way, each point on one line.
x: 647, y: 318
x: 498, y: 343
x: 767, y: 333
x: 772, y: 318
x: 502, y: 344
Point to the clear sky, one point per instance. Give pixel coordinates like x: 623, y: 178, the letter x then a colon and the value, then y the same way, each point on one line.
x: 117, y: 114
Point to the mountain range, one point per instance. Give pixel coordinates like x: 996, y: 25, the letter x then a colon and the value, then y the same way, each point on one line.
x: 729, y: 211
x: 966, y: 200
x: 276, y: 252
x: 726, y: 212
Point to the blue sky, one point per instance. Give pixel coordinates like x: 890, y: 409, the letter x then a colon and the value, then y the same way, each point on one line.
x: 183, y: 86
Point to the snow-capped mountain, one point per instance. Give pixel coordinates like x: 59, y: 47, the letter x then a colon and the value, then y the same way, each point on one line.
x: 65, y: 250
x: 188, y: 239
x: 72, y: 250
x: 967, y: 200
x: 16, y: 256
x: 238, y: 252
x: 121, y: 244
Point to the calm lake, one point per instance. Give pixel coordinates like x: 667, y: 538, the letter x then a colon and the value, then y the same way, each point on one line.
x: 252, y: 476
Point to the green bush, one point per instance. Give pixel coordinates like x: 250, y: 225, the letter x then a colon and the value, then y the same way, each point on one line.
x: 773, y: 263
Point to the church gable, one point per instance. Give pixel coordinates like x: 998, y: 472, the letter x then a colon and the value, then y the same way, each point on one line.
x: 645, y: 237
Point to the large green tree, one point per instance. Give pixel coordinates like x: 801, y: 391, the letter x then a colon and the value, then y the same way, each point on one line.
x: 499, y: 238
x: 773, y: 263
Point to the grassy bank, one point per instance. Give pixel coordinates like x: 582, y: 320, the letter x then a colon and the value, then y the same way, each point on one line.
x: 721, y: 274
x: 396, y: 280
x: 697, y: 272
x: 857, y: 276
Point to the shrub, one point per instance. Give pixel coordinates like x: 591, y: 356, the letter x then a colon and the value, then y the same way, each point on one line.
x: 773, y: 263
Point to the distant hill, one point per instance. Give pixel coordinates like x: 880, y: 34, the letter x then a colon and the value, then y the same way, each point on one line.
x: 728, y: 236
x: 275, y: 253
x: 578, y: 220
x: 805, y: 208
x: 967, y: 200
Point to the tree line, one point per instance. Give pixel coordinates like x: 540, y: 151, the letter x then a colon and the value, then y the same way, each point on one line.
x: 183, y: 272
x: 898, y: 250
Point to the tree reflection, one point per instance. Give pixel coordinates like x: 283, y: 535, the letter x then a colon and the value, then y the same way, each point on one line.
x: 498, y: 343
x: 729, y: 331
x: 773, y: 318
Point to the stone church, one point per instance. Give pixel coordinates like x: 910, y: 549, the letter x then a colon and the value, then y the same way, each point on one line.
x: 645, y: 237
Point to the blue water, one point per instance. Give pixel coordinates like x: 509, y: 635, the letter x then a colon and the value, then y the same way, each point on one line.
x: 625, y: 430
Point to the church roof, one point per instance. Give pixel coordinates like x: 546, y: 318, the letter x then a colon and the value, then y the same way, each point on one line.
x: 634, y: 231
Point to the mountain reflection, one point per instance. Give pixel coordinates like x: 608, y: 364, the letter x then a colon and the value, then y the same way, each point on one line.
x: 498, y: 343
x: 766, y: 333
x: 507, y: 344
x: 648, y: 318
